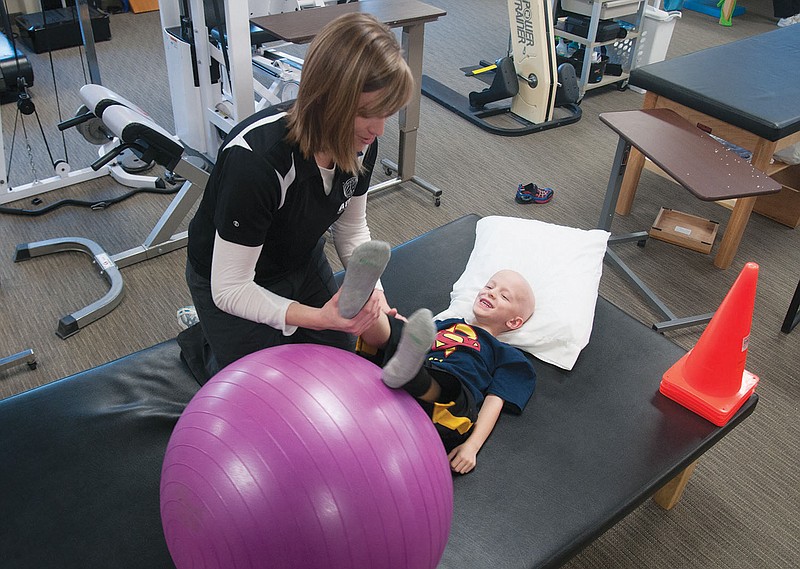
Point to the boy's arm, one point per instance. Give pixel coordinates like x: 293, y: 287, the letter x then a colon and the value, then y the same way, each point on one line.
x: 464, y: 457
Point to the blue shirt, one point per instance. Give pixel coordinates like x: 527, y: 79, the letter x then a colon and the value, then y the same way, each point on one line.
x: 482, y: 363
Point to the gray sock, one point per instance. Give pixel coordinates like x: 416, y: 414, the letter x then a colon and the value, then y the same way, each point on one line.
x: 415, y: 342
x: 364, y: 268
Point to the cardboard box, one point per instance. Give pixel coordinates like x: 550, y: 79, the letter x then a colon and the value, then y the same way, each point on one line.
x: 686, y: 230
x: 783, y: 207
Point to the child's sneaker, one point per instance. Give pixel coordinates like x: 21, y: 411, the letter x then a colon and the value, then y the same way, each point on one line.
x: 187, y: 317
x: 531, y: 193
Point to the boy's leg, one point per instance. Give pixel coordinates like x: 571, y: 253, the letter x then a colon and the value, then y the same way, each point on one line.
x: 454, y: 413
x: 377, y: 335
x: 447, y: 402
x: 416, y: 339
x: 364, y: 268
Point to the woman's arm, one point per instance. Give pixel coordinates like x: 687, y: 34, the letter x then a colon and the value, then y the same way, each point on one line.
x: 463, y: 458
x: 351, y: 230
x: 234, y: 290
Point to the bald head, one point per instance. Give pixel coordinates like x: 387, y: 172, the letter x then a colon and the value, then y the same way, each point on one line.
x: 505, y: 302
x: 522, y: 290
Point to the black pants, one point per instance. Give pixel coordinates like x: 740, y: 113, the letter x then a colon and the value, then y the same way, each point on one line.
x: 456, y: 406
x: 222, y: 338
x: 785, y: 8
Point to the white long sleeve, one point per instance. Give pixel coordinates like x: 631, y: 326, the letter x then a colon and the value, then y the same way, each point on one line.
x: 234, y: 290
x: 350, y: 230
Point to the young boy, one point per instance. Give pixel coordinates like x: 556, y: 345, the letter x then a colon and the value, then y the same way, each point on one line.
x: 457, y: 369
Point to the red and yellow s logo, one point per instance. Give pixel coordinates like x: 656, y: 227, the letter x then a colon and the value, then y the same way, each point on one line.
x: 454, y: 337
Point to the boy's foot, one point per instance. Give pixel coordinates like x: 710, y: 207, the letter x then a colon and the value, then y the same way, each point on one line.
x: 364, y: 268
x: 531, y: 193
x: 415, y: 342
x: 789, y: 20
x: 187, y: 317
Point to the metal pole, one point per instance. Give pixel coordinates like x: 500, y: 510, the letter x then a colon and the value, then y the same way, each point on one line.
x: 85, y: 21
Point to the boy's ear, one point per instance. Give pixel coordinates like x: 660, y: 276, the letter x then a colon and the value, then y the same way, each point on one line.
x: 515, y: 323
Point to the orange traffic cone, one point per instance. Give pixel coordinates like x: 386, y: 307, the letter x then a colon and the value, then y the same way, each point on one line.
x: 710, y: 379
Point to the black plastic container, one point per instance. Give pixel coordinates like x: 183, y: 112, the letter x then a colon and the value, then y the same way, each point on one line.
x: 579, y: 25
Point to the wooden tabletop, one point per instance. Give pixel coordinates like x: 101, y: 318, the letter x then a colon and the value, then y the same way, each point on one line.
x: 301, y: 26
x: 691, y: 157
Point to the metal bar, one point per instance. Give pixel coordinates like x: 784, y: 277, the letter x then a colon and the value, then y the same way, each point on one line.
x: 23, y: 357
x: 72, y: 323
x: 651, y: 297
x: 85, y: 21
x: 614, y: 185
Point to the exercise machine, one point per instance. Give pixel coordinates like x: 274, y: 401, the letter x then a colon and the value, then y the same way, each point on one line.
x: 542, y: 95
x: 221, y: 68
x: 123, y: 168
x: 213, y: 68
x: 134, y: 131
x: 14, y: 65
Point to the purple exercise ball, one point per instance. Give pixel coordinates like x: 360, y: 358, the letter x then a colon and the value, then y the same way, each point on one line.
x: 298, y: 456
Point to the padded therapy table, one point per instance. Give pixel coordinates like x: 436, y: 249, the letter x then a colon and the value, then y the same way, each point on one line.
x: 82, y: 455
x: 746, y: 92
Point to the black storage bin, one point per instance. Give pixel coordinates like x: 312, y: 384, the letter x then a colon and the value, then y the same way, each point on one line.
x: 60, y: 28
x: 579, y: 25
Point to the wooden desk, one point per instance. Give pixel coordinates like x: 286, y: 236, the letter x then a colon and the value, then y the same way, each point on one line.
x: 694, y: 160
x: 758, y: 109
x: 301, y: 27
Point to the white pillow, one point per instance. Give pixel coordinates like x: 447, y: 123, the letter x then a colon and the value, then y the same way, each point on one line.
x: 562, y: 264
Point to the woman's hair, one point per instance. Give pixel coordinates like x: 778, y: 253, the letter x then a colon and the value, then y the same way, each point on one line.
x: 351, y: 55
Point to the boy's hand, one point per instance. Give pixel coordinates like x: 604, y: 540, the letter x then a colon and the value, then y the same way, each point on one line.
x: 463, y: 458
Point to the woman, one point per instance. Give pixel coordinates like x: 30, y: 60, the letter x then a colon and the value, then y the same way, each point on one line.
x: 256, y: 267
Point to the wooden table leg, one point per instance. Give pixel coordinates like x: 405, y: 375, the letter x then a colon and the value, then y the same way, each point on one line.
x: 672, y: 491
x: 762, y: 154
x: 633, y: 168
x: 734, y: 232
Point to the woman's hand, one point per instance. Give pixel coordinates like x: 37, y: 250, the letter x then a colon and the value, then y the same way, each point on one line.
x: 385, y: 308
x: 328, y: 318
x: 366, y: 317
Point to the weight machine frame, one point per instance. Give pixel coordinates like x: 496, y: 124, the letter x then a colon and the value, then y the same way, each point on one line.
x: 64, y: 176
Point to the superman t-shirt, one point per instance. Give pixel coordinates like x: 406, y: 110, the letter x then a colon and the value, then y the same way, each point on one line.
x: 482, y: 363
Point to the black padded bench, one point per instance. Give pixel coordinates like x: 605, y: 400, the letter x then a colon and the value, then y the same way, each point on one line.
x: 82, y: 455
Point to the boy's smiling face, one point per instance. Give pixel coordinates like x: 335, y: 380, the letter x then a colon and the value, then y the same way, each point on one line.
x: 504, y: 303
